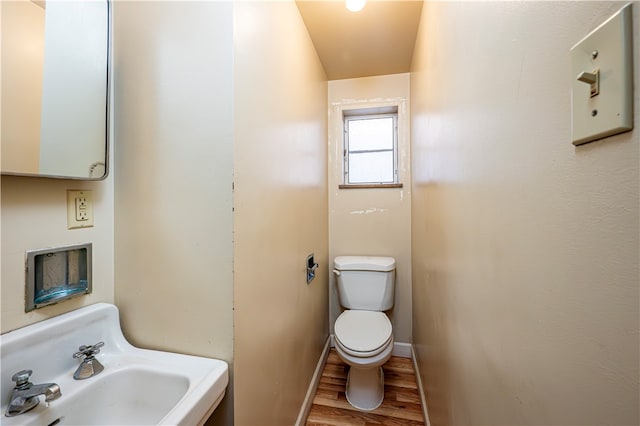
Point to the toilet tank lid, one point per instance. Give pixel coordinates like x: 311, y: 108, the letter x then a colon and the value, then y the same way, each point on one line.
x: 364, y: 263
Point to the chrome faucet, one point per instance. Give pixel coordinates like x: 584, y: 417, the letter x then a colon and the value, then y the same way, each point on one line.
x: 90, y: 366
x: 26, y: 395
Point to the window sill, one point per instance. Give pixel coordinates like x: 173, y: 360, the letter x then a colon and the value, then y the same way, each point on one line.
x: 370, y: 186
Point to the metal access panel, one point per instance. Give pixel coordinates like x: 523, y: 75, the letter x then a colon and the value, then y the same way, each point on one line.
x: 57, y: 274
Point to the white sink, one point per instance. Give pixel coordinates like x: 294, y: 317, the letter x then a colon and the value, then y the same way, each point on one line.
x: 137, y: 386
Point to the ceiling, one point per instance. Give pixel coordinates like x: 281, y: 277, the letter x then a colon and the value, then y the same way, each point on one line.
x: 378, y: 40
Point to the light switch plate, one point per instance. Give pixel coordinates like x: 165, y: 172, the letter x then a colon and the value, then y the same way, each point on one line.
x: 608, y: 51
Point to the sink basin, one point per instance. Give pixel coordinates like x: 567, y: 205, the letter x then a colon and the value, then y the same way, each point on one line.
x: 137, y: 386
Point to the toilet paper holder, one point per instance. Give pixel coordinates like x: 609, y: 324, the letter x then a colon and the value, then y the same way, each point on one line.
x: 311, y: 268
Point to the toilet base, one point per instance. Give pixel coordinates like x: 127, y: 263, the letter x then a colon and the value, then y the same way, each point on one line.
x: 365, y: 388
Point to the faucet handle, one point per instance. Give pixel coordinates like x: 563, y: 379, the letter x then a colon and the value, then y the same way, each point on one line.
x: 88, y: 350
x: 22, y: 377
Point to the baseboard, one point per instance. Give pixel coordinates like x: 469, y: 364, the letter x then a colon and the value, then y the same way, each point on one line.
x: 313, y: 385
x: 402, y: 350
x: 423, y: 399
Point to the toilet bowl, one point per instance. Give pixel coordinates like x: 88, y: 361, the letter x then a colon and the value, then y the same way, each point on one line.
x: 364, y: 341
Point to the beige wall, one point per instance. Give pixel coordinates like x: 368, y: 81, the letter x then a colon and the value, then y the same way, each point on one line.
x: 280, y: 201
x: 173, y: 167
x: 525, y: 248
x: 374, y: 222
x: 34, y: 216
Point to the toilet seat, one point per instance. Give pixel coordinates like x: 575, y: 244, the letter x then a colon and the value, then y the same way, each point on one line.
x: 363, y: 333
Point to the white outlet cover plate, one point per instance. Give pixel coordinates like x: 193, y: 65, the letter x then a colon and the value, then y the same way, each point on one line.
x: 613, y: 106
x: 72, y: 222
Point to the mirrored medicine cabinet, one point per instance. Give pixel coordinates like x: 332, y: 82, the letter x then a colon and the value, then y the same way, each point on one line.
x: 55, y: 88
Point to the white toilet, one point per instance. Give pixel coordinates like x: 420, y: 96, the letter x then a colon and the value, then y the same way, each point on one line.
x: 363, y: 333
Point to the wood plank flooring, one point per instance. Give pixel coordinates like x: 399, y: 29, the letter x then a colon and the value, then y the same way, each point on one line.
x: 401, y: 405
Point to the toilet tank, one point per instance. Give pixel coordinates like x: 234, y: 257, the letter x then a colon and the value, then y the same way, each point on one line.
x: 365, y: 282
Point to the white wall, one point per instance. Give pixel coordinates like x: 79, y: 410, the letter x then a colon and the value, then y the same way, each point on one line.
x: 173, y: 77
x: 34, y: 216
x: 280, y: 201
x: 374, y: 222
x: 525, y: 248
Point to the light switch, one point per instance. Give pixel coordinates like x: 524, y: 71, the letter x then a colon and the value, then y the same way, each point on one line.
x: 602, y: 75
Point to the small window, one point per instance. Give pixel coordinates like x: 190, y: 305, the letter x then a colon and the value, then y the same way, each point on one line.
x: 371, y: 147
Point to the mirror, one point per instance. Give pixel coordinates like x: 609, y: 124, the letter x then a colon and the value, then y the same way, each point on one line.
x: 55, y: 85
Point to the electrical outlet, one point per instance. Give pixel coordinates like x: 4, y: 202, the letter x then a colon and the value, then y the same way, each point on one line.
x: 79, y: 209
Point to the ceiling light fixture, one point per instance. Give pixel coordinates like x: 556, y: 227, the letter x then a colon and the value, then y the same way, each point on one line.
x: 355, y: 5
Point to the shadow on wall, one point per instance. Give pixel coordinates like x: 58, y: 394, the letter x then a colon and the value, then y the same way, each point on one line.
x: 432, y: 322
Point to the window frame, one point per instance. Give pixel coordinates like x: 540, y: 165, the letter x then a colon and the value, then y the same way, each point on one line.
x: 368, y: 114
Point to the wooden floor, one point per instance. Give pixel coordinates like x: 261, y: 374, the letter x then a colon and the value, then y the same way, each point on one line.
x: 401, y: 405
